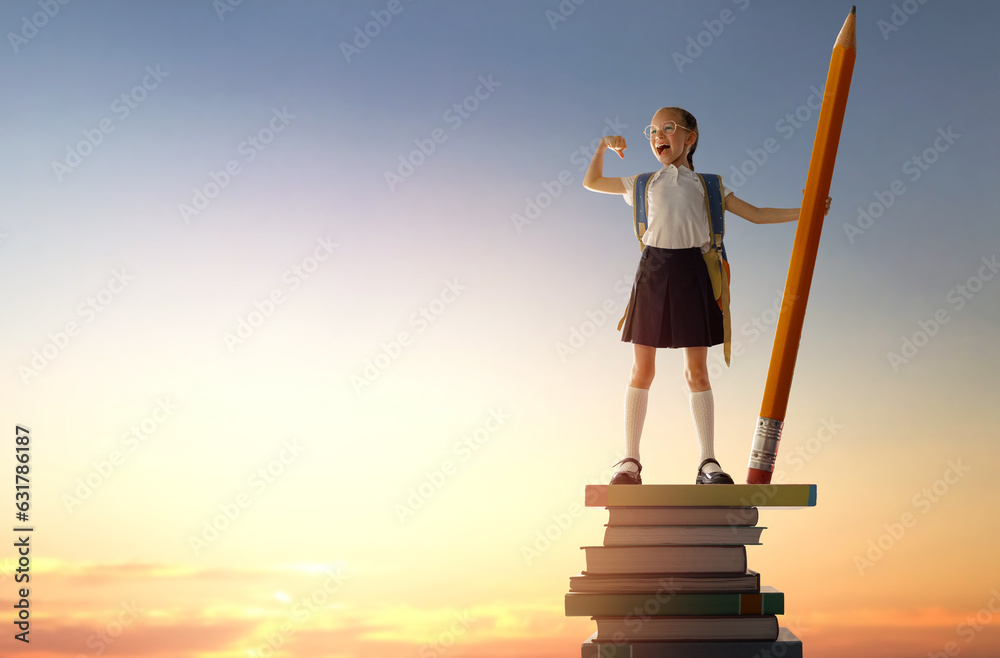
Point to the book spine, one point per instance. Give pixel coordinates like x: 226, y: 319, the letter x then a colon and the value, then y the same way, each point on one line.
x: 668, y: 603
x: 786, y: 646
x: 667, y: 559
x: 625, y: 535
x: 681, y: 495
x: 686, y: 516
x: 695, y: 627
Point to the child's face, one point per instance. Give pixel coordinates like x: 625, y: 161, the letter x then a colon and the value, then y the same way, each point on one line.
x: 670, y: 147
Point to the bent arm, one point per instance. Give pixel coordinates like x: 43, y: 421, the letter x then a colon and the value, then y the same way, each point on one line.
x: 594, y: 179
x: 756, y: 215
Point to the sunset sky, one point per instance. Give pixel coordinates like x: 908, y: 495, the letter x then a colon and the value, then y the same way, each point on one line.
x: 312, y: 322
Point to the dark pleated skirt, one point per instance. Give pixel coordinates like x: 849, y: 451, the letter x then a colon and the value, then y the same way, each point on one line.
x: 672, y: 304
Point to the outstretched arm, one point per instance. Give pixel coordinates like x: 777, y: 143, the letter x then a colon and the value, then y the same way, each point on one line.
x: 594, y: 179
x: 752, y: 213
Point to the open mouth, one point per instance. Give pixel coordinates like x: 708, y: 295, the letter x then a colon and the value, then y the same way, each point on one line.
x: 661, y: 148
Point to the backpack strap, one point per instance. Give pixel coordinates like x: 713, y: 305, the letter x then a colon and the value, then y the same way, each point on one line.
x: 640, y: 208
x: 716, y: 207
x: 715, y: 257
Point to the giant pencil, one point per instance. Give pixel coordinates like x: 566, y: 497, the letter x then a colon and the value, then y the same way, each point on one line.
x: 800, y: 269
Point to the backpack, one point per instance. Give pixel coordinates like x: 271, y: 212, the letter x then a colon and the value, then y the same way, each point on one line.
x: 715, y: 258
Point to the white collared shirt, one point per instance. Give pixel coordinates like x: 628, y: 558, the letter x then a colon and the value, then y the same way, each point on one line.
x: 676, y: 218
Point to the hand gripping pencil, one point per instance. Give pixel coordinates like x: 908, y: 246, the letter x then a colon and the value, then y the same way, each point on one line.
x: 800, y: 269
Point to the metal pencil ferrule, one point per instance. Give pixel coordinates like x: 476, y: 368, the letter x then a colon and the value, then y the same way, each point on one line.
x: 765, y: 444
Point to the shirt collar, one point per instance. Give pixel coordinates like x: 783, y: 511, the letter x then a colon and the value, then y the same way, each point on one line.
x: 672, y: 172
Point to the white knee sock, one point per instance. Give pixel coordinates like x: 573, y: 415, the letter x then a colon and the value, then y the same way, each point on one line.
x: 635, y: 415
x: 703, y: 413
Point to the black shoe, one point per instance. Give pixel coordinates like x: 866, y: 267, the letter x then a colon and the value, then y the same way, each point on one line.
x: 624, y: 477
x: 719, y: 477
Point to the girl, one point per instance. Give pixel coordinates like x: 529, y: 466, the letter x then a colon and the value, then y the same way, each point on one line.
x: 672, y: 303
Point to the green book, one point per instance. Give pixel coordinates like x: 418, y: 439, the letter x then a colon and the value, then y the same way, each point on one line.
x: 701, y: 495
x: 768, y: 602
x: 786, y: 646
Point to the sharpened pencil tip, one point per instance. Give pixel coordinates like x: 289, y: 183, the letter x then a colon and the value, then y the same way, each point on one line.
x: 854, y: 9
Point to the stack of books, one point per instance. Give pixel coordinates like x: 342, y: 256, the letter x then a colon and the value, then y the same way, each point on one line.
x: 671, y: 577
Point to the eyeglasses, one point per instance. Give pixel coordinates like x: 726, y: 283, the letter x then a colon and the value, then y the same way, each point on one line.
x: 665, y: 128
